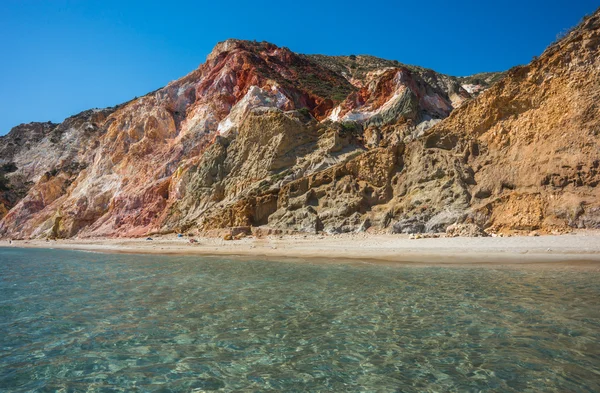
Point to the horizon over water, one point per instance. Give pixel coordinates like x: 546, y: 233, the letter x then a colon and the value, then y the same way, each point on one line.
x: 74, y: 321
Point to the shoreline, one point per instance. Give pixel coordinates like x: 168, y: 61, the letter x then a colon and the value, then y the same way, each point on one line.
x: 576, y: 250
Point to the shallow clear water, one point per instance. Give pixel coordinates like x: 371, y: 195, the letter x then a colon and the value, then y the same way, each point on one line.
x: 73, y: 321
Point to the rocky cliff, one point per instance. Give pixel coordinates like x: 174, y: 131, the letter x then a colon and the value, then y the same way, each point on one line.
x: 261, y: 136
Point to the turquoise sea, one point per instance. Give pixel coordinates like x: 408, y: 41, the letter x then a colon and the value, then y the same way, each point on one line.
x: 86, y: 322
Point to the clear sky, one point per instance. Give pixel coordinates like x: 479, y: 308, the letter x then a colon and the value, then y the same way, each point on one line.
x: 60, y: 57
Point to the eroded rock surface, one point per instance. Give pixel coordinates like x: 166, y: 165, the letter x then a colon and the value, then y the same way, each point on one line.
x: 261, y: 136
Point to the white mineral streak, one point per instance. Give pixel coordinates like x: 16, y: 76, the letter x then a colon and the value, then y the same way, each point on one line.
x: 253, y: 99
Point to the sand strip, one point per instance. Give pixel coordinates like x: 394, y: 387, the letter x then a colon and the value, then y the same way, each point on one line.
x: 578, y: 250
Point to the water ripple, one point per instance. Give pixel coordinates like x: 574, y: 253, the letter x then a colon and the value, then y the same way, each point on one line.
x: 87, y: 322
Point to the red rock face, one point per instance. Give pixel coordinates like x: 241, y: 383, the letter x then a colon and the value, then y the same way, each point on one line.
x: 389, y: 90
x: 234, y: 66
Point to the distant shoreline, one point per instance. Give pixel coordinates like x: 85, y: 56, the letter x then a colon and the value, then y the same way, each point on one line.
x: 578, y: 250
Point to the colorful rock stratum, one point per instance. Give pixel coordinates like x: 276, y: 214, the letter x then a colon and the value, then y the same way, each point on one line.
x: 261, y: 136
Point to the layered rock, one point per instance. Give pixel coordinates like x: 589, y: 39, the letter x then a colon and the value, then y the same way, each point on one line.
x: 261, y: 136
x: 478, y: 83
x: 32, y: 153
x: 522, y: 157
x: 124, y: 188
x: 532, y: 140
x: 394, y: 93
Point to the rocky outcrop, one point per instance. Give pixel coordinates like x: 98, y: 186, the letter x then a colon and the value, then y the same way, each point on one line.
x: 531, y: 141
x: 147, y: 143
x: 31, y: 154
x: 15, y: 180
x: 394, y: 93
x: 465, y: 230
x: 521, y: 157
x: 478, y: 83
x: 261, y: 136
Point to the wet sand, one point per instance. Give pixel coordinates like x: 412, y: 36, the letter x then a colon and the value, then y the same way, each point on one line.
x: 576, y: 250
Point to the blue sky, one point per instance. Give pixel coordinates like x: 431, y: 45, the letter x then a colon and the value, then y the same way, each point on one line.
x: 61, y: 57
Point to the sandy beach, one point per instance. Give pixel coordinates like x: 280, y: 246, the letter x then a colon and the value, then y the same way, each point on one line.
x: 576, y: 250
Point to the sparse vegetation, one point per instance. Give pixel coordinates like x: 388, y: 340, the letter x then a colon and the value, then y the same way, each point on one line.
x: 566, y: 31
x: 56, y: 135
x: 339, y: 97
x: 362, y: 65
x: 350, y: 127
x: 8, y: 168
x: 4, y: 183
x: 325, y: 88
x: 483, y: 78
x: 304, y: 112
